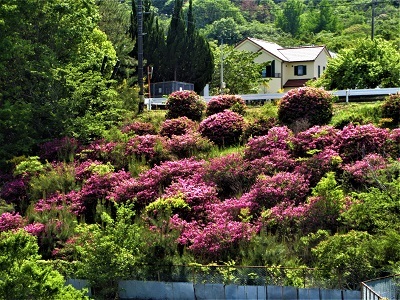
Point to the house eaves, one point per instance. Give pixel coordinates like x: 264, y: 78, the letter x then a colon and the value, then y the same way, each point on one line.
x: 308, y: 53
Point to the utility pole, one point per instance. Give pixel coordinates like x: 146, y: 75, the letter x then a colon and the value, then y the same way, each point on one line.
x: 140, y: 55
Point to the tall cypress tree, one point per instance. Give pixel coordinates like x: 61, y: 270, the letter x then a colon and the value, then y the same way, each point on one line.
x: 175, y: 46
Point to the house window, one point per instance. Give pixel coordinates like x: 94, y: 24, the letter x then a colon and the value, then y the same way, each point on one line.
x: 269, y: 70
x: 300, y: 70
x: 319, y: 71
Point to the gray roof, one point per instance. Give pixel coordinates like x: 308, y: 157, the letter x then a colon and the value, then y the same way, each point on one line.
x: 297, y: 54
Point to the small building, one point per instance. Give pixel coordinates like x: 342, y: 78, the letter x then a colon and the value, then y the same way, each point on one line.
x: 162, y: 89
x: 287, y: 68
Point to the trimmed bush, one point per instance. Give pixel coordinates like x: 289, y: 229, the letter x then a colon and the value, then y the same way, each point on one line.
x: 189, y: 144
x: 219, y: 103
x: 391, y: 108
x: 185, y: 104
x: 139, y: 128
x: 224, y: 128
x: 178, y: 126
x: 306, y: 105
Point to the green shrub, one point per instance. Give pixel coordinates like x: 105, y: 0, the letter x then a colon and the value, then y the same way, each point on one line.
x: 305, y: 106
x: 391, y: 108
x: 185, y: 104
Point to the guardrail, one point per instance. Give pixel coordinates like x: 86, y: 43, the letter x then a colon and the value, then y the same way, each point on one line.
x: 150, y: 102
x: 381, y: 288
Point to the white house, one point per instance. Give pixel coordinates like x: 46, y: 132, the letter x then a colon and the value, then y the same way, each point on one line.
x: 289, y: 67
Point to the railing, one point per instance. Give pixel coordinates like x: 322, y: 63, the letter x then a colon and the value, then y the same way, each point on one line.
x: 150, y: 102
x: 381, y: 288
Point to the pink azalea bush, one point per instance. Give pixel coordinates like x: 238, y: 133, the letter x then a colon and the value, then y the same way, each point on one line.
x: 189, y: 144
x: 139, y: 128
x: 306, y: 103
x: 278, y: 138
x: 367, y: 169
x: 268, y: 191
x: 58, y: 149
x: 355, y: 142
x: 315, y: 138
x: 10, y: 221
x: 150, y: 147
x: 259, y: 127
x: 178, y: 126
x: 219, y: 103
x: 185, y: 104
x: 224, y: 128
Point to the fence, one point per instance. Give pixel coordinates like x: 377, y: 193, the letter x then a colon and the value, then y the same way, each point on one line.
x: 381, y: 288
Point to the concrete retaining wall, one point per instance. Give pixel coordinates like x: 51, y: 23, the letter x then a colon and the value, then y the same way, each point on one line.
x: 155, y: 290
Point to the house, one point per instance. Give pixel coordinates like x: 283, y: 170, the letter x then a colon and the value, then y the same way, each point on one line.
x: 288, y: 68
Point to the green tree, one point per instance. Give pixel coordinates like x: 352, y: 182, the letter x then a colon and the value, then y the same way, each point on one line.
x: 23, y: 277
x: 225, y: 29
x: 368, y: 64
x: 289, y: 18
x: 240, y: 73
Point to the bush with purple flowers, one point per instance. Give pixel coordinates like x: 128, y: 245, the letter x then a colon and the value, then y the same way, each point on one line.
x: 185, y: 104
x: 219, y: 103
x: 178, y: 126
x: 139, y: 128
x: 224, y: 128
x: 312, y: 105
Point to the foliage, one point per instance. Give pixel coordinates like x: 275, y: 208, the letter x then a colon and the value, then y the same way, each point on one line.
x: 189, y: 144
x: 367, y: 64
x: 289, y: 19
x: 178, y: 126
x: 391, y: 109
x: 240, y: 73
x: 219, y: 103
x: 314, y: 106
x: 23, y: 277
x: 139, y: 128
x: 185, y: 104
x: 224, y: 128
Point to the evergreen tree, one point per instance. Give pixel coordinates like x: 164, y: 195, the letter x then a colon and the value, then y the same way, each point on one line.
x: 327, y: 18
x: 289, y: 19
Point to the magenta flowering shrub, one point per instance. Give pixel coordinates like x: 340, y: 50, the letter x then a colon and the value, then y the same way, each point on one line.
x: 355, y: 142
x: 277, y: 161
x: 278, y: 138
x: 178, y: 126
x: 198, y: 194
x: 315, y: 138
x: 151, y: 147
x: 268, y: 191
x: 219, y: 103
x: 185, y: 104
x: 10, y: 221
x: 227, y: 172
x: 62, y: 149
x: 98, y: 150
x: 151, y: 184
x: 72, y: 201
x: 366, y: 170
x: 15, y: 191
x: 312, y: 105
x: 394, y: 143
x: 188, y: 145
x: 224, y: 128
x: 83, y: 170
x: 315, y: 167
x: 35, y: 228
x: 139, y: 128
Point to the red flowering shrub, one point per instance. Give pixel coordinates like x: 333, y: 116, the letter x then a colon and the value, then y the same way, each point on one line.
x: 282, y: 187
x: 10, y: 221
x: 277, y: 139
x: 185, y: 104
x: 315, y: 138
x: 139, y: 128
x: 219, y: 103
x: 189, y: 144
x: 312, y: 105
x: 178, y: 126
x: 224, y: 128
x: 355, y: 142
x: 391, y: 108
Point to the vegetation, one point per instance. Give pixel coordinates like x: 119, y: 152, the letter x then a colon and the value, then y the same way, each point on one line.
x: 84, y: 177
